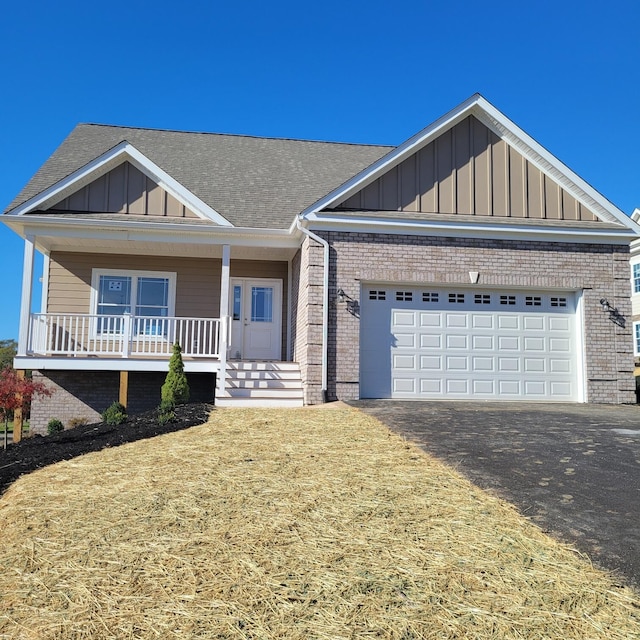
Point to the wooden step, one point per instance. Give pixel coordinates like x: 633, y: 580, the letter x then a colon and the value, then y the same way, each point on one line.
x: 261, y: 384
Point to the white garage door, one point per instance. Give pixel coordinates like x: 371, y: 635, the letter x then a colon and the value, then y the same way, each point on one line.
x: 421, y: 343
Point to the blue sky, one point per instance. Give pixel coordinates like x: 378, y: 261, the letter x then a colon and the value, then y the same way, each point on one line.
x: 567, y: 72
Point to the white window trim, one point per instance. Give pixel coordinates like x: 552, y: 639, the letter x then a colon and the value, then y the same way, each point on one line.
x: 632, y: 263
x: 636, y: 351
x: 171, y: 276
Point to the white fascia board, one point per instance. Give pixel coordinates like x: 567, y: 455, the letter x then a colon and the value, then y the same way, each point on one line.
x: 504, y: 128
x: 549, y: 164
x: 41, y: 363
x: 103, y: 164
x: 471, y: 230
x: 44, y: 225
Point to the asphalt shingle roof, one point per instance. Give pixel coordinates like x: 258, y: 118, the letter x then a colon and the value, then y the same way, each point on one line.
x: 251, y: 181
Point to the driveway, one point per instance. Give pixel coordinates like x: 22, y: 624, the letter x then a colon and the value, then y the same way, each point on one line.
x: 573, y: 469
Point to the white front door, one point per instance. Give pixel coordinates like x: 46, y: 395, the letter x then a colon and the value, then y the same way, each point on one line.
x: 256, y: 319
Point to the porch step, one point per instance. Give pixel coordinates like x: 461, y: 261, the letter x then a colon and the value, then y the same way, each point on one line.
x: 261, y: 384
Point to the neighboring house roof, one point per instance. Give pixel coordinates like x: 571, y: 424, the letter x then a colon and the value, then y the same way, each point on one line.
x: 250, y: 181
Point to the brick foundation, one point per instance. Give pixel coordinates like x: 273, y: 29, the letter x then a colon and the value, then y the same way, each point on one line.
x: 86, y: 394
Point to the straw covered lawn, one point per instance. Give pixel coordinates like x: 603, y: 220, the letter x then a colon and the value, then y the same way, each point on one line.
x: 286, y: 524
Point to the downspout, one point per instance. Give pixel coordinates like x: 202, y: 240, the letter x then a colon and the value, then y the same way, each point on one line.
x: 325, y: 304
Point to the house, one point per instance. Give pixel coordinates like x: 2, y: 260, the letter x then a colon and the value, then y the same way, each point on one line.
x: 635, y: 299
x: 467, y: 263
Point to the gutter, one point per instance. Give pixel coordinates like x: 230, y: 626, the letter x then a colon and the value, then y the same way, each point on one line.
x: 325, y: 304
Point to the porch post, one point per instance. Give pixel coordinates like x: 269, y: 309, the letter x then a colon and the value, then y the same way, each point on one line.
x: 224, y: 280
x: 224, y: 314
x: 25, y: 301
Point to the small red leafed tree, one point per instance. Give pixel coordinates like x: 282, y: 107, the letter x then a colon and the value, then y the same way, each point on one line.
x: 16, y: 393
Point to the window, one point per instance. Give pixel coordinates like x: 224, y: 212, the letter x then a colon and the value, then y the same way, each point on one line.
x: 261, y: 304
x: 482, y: 298
x: 456, y: 298
x: 149, y: 296
x: 404, y: 296
x: 636, y: 338
x: 237, y: 301
x: 377, y: 294
x: 428, y: 296
x: 558, y: 302
x: 533, y: 301
x: 510, y: 300
x: 635, y: 270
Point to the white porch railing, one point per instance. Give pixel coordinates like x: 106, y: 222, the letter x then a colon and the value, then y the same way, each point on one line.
x: 55, y: 334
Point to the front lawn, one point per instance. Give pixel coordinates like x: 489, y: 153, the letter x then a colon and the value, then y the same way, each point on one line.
x: 304, y: 524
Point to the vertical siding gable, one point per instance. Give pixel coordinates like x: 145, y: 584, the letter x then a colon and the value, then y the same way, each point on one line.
x: 127, y: 190
x: 469, y: 170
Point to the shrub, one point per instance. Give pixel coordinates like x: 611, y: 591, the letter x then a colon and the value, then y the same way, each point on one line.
x: 78, y: 422
x: 115, y: 414
x: 175, y: 388
x: 54, y: 426
x: 166, y: 412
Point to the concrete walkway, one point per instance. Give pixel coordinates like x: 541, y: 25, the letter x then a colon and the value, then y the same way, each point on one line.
x: 573, y: 469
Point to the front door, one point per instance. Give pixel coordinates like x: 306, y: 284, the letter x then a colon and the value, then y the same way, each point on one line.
x: 256, y: 319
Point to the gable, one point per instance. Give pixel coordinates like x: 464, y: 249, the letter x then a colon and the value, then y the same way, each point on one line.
x: 469, y: 170
x: 124, y: 190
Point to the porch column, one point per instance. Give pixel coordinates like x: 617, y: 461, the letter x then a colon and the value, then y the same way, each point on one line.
x: 224, y: 315
x: 225, y: 280
x: 123, y: 392
x: 27, y: 289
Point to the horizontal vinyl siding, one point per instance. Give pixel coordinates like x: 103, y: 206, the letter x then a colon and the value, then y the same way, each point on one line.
x: 197, y: 286
x: 469, y: 170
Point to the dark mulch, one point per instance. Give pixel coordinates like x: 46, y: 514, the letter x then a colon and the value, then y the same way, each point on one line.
x: 39, y: 451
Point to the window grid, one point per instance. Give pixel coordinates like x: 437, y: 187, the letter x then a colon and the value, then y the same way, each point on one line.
x: 509, y: 300
x: 636, y: 333
x: 428, y: 296
x: 558, y: 302
x: 377, y: 294
x: 482, y: 298
x: 456, y: 298
x: 636, y: 278
x: 404, y: 296
x: 533, y: 301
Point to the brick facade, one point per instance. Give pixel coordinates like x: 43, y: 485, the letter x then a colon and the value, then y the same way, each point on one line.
x: 86, y: 394
x: 307, y: 298
x: 599, y: 271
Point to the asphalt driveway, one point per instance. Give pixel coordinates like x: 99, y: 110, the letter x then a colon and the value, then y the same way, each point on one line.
x: 573, y: 469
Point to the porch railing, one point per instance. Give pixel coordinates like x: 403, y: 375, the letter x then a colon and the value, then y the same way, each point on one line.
x: 55, y: 334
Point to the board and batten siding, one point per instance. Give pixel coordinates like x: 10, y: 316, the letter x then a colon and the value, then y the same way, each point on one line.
x: 197, y: 281
x: 469, y: 170
x: 127, y: 190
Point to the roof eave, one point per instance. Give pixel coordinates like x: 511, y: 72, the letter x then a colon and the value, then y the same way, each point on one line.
x: 465, y: 229
x: 44, y: 225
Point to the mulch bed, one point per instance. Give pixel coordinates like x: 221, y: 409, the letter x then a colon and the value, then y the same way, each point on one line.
x: 40, y: 451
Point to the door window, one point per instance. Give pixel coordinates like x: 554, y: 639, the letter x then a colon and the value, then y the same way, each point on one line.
x: 261, y: 304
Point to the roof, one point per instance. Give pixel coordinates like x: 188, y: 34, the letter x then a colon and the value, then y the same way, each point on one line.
x: 250, y: 181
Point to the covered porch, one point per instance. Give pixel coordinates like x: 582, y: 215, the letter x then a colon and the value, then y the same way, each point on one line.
x: 223, y: 288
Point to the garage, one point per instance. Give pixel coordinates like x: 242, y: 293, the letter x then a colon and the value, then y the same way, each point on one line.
x: 457, y: 343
